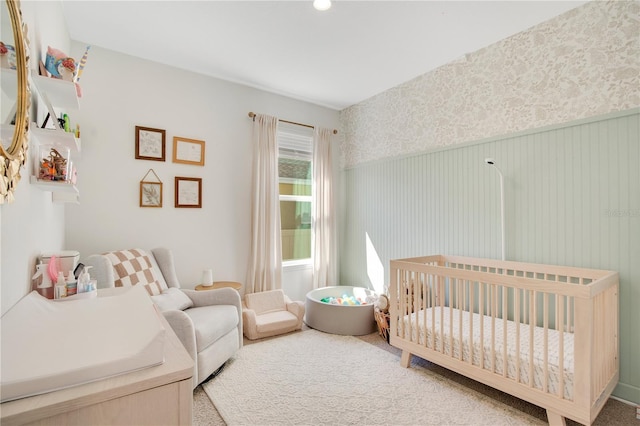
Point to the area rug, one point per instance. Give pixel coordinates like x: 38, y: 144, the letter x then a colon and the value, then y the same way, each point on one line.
x: 314, y: 378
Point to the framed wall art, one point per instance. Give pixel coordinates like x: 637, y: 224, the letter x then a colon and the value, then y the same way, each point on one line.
x: 188, y: 192
x: 188, y: 151
x: 150, y: 144
x: 151, y: 191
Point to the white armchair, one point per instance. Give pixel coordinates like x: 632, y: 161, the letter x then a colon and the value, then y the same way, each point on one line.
x: 208, y: 323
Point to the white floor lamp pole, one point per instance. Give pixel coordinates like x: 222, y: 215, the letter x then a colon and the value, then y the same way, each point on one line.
x: 491, y: 162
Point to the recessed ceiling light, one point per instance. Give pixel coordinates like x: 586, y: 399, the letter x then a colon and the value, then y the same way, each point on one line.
x: 322, y: 4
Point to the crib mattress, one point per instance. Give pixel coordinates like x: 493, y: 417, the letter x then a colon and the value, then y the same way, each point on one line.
x: 49, y: 345
x: 452, y: 320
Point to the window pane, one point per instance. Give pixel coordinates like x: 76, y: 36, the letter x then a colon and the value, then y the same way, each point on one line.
x: 295, y: 176
x: 295, y: 217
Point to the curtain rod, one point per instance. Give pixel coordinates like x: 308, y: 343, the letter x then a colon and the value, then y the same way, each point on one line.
x: 252, y: 115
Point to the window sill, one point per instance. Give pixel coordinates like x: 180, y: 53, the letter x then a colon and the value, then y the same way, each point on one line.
x: 297, y: 265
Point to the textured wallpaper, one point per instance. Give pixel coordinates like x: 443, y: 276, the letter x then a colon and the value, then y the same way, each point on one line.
x: 583, y: 63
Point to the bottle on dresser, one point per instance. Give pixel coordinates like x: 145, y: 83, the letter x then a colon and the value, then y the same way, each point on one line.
x: 60, y: 290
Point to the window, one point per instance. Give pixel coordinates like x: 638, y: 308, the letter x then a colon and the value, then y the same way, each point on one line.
x: 295, y: 181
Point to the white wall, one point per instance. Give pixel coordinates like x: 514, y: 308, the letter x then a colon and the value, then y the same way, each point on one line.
x: 32, y: 224
x: 120, y: 92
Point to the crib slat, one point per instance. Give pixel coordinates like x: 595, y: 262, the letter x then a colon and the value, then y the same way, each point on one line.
x: 532, y: 320
x: 425, y: 306
x: 451, y: 287
x: 561, y: 348
x: 504, y: 330
x: 433, y: 317
x: 517, y: 321
x: 558, y: 319
x: 545, y: 316
x: 494, y: 303
x: 417, y: 295
x: 598, y: 355
x: 460, y: 299
x: 471, y: 309
x: 403, y: 291
x: 481, y: 313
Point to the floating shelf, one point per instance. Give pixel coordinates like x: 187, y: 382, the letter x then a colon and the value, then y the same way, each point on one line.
x: 57, y: 137
x: 61, y: 192
x: 60, y: 93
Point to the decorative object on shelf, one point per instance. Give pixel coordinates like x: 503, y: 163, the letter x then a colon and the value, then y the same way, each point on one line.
x: 60, y: 65
x: 53, y: 166
x: 150, y: 191
x: 7, y: 56
x: 83, y: 63
x: 188, y: 192
x: 13, y: 149
x: 150, y: 144
x: 188, y: 151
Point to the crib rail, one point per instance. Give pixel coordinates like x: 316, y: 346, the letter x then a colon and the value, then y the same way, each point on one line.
x: 531, y: 330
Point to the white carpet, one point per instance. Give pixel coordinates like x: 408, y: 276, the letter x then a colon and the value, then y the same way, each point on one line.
x: 313, y: 378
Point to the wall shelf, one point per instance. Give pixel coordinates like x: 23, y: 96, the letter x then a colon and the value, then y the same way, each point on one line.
x: 58, y: 138
x: 61, y: 192
x: 59, y: 94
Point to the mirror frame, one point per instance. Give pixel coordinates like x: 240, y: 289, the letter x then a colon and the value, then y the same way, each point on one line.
x: 15, y: 156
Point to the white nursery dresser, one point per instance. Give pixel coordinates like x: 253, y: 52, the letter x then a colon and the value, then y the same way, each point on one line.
x: 159, y: 395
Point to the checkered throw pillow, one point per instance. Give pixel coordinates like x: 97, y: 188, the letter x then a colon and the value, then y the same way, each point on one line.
x: 132, y: 267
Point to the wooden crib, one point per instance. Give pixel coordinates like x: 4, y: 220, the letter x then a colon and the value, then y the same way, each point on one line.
x: 545, y: 334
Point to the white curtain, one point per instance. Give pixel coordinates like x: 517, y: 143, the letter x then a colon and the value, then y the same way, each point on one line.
x: 324, y: 247
x: 265, y: 261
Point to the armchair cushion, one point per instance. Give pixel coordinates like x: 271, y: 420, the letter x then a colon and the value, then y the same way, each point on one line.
x: 213, y: 322
x: 172, y: 299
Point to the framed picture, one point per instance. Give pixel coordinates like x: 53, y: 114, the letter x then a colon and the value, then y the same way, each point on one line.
x: 150, y: 144
x: 188, y: 192
x: 150, y: 194
x: 188, y: 151
x: 150, y: 191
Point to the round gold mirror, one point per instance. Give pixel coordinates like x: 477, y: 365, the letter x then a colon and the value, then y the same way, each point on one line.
x: 15, y: 100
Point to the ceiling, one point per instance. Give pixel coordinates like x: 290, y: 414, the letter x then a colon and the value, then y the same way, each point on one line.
x: 336, y: 58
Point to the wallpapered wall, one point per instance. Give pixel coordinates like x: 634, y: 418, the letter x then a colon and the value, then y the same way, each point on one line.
x: 580, y: 64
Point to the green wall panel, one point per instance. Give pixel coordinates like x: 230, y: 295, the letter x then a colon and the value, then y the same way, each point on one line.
x: 572, y: 197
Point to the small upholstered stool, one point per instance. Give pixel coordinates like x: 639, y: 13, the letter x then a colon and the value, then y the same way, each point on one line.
x: 270, y: 313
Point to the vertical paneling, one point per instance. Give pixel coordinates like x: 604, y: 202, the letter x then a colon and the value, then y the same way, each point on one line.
x: 572, y: 197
